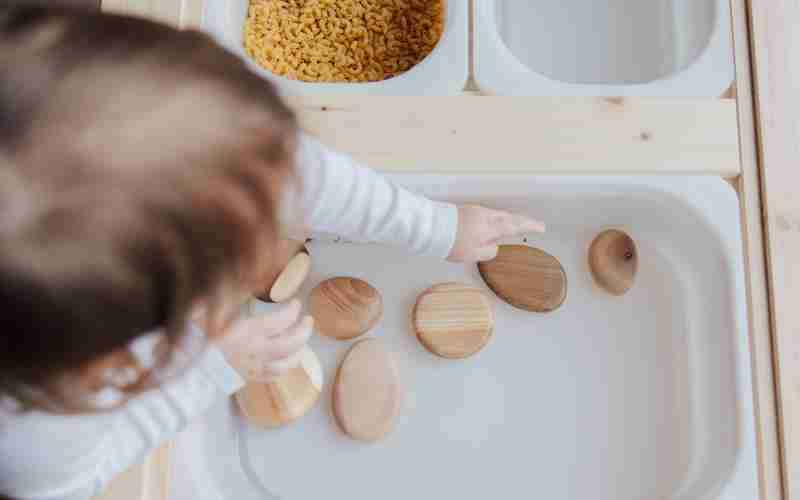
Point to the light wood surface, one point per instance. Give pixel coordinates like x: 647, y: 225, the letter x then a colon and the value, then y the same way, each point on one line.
x: 749, y: 189
x: 453, y: 320
x: 776, y: 63
x: 530, y: 134
x: 285, y: 399
x: 179, y: 13
x: 345, y: 308
x: 148, y: 480
x: 367, y: 394
x: 292, y: 278
x: 539, y: 134
x: 614, y: 261
x: 748, y: 185
x: 527, y: 278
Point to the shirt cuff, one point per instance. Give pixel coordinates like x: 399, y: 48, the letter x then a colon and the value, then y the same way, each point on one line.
x: 444, y: 230
x: 214, y: 366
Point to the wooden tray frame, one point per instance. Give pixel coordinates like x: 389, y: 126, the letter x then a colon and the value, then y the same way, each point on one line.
x: 633, y: 136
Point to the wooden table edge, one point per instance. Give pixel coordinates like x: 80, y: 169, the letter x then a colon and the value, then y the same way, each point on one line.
x: 747, y: 179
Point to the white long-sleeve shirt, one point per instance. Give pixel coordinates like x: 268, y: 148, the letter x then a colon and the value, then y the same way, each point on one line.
x: 52, y: 457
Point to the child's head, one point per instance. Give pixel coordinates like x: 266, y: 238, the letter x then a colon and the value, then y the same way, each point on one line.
x: 139, y: 174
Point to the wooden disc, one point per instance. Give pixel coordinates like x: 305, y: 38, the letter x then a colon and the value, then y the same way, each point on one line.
x: 367, y: 394
x: 291, y: 266
x: 613, y: 260
x: 526, y: 278
x: 344, y: 308
x: 453, y: 320
x: 285, y: 399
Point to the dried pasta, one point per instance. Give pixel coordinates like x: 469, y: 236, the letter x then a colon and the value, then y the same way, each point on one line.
x: 342, y: 40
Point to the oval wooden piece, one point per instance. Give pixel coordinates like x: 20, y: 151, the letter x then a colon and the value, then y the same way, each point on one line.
x: 526, y: 277
x: 291, y: 266
x: 285, y: 399
x: 453, y: 320
x: 292, y: 278
x: 367, y: 394
x: 614, y: 261
x: 344, y: 308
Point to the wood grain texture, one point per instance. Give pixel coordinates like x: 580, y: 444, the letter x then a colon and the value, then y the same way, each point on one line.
x: 285, y: 399
x: 614, y: 261
x: 345, y: 308
x: 527, y: 278
x: 776, y: 62
x: 367, y: 394
x: 528, y: 135
x: 453, y: 320
x: 749, y: 189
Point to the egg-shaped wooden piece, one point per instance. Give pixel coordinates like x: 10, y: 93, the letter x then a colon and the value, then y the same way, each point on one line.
x: 527, y: 278
x: 614, y: 261
x: 291, y: 265
x: 345, y: 308
x: 367, y: 393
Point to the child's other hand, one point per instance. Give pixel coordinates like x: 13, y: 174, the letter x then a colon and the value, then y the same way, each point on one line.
x: 481, y: 229
x: 264, y: 347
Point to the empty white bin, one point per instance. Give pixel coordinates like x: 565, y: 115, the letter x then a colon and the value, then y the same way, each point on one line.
x: 613, y: 48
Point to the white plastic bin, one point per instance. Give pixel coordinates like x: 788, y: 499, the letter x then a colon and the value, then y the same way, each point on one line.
x: 641, y: 397
x: 443, y: 72
x: 614, y: 48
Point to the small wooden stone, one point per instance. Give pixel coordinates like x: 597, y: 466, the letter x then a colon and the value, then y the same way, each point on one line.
x: 614, y: 261
x: 526, y: 277
x: 367, y: 394
x: 345, y: 308
x: 453, y: 320
x: 285, y: 399
x: 291, y: 267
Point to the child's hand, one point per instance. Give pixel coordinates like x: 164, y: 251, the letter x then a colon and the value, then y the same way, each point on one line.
x: 264, y: 347
x: 480, y: 229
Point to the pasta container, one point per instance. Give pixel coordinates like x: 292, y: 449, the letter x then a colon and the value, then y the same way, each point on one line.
x: 443, y: 72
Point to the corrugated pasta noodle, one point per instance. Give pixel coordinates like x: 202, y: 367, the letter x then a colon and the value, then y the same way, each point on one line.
x: 342, y: 40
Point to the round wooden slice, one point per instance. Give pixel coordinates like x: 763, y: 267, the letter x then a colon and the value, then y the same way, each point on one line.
x: 285, y: 399
x: 526, y: 278
x: 613, y: 261
x: 367, y: 393
x: 453, y: 320
x: 291, y: 267
x: 344, y: 308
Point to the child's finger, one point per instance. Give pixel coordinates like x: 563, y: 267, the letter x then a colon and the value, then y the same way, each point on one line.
x: 268, y: 325
x: 291, y: 341
x: 282, y: 366
x: 507, y: 225
x: 276, y: 323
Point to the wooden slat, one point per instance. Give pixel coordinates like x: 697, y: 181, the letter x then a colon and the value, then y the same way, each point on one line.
x: 776, y: 63
x: 179, y: 13
x: 749, y: 187
x: 530, y: 135
x: 130, y: 485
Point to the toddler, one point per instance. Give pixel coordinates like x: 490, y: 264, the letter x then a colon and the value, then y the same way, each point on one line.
x: 145, y: 177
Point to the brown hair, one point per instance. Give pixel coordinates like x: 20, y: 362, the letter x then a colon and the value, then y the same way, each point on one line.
x: 139, y: 173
